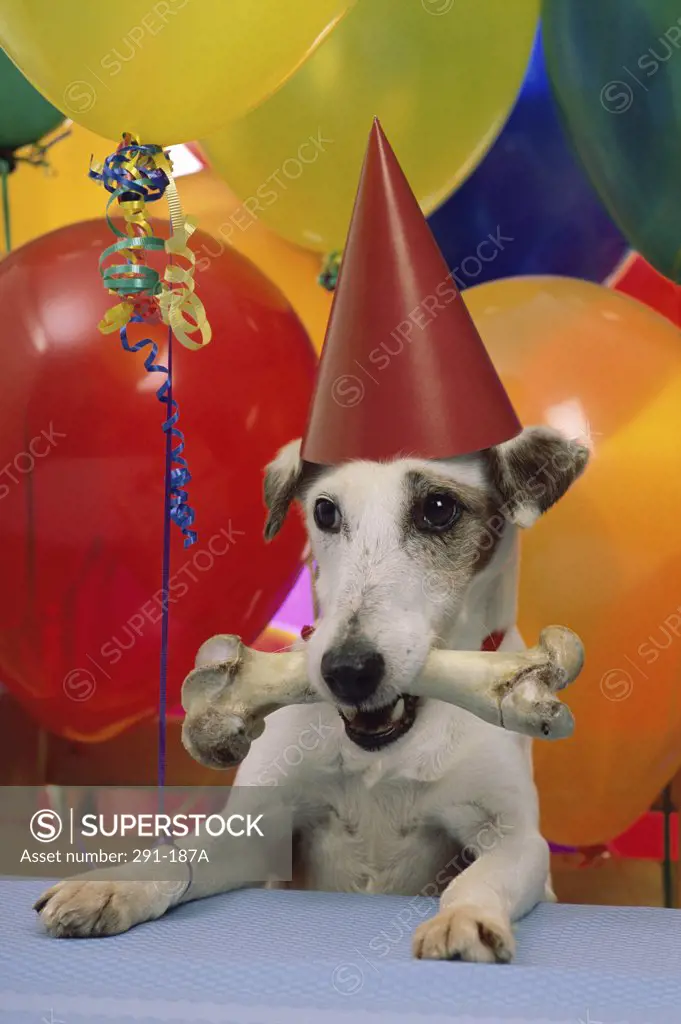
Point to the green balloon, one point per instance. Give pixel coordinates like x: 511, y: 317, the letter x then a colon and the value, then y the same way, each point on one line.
x: 615, y: 68
x: 25, y: 116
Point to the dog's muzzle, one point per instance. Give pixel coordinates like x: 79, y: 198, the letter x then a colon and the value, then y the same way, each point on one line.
x: 374, y: 730
x: 353, y: 672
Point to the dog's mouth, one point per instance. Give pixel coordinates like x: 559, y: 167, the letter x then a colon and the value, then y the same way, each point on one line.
x: 373, y: 730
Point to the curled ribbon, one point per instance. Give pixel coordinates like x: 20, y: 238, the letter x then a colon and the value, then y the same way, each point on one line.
x: 132, y: 178
x: 180, y: 511
x: 136, y: 175
x: 180, y: 307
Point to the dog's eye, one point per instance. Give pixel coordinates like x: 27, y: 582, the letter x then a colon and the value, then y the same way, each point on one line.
x: 327, y: 515
x: 436, y: 512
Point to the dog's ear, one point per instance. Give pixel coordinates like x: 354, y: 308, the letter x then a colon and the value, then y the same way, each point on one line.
x: 282, y: 480
x: 533, y: 471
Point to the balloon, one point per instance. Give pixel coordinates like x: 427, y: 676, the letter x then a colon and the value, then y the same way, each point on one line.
x: 618, y: 83
x: 292, y: 269
x: 81, y: 509
x: 167, y: 74
x: 531, y: 200
x: 273, y: 640
x: 25, y: 115
x: 606, y: 560
x: 637, y: 278
x: 442, y: 79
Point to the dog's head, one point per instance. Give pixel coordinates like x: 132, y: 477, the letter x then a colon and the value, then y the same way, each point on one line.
x: 398, y: 546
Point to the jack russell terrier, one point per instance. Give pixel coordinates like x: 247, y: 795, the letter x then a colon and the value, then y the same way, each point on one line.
x: 398, y: 794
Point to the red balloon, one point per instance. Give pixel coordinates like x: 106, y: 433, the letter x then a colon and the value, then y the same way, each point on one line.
x: 81, y: 488
x: 638, y: 279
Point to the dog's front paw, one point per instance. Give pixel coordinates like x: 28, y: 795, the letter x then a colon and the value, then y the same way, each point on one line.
x: 80, y: 909
x: 465, y: 933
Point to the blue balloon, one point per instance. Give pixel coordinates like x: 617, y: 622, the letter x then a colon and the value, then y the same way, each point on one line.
x: 528, y: 208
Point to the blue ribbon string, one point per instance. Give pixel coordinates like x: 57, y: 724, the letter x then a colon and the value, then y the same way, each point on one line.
x: 180, y: 512
x: 149, y: 185
x: 165, y: 573
x: 175, y: 510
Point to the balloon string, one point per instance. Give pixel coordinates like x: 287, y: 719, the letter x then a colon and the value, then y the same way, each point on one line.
x: 181, y: 512
x: 165, y: 579
x: 165, y: 575
x: 4, y: 171
x: 175, y: 509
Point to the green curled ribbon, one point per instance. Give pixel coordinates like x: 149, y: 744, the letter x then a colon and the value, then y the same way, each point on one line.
x: 131, y: 278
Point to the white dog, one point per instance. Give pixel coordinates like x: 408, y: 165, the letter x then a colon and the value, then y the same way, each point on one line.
x: 389, y: 794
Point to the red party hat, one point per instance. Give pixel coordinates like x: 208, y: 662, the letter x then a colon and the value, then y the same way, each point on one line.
x: 403, y: 370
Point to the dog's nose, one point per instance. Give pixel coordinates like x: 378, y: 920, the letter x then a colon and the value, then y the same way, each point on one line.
x: 352, y: 671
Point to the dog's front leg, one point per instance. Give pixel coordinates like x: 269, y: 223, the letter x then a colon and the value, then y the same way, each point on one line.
x: 108, y: 902
x: 509, y: 877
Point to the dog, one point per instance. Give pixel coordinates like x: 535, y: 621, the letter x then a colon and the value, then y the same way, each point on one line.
x: 395, y: 795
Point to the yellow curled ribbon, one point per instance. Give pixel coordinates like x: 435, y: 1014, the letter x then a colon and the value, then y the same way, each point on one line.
x: 180, y: 307
x: 146, y: 171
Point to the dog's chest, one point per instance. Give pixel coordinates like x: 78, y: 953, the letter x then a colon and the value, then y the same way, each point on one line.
x: 372, y: 840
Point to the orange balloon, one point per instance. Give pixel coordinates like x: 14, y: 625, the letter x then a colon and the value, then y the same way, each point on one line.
x: 273, y: 640
x: 606, y: 561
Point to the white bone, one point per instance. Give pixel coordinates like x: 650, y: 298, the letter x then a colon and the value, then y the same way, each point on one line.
x: 233, y: 688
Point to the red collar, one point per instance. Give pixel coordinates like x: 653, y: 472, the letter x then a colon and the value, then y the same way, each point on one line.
x: 493, y: 641
x: 490, y: 643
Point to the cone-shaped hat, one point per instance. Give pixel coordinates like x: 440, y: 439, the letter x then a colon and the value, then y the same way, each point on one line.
x: 403, y: 370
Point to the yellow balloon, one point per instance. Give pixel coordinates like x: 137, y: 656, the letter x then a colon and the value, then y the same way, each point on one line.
x: 440, y: 75
x: 606, y: 561
x: 292, y: 269
x: 168, y: 71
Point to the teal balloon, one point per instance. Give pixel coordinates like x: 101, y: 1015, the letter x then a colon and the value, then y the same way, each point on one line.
x: 25, y: 116
x: 615, y: 69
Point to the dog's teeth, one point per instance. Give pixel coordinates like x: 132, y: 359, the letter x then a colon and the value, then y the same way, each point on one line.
x: 397, y: 711
x: 350, y: 713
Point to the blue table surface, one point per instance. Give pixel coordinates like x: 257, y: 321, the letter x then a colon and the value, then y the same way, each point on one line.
x: 269, y: 957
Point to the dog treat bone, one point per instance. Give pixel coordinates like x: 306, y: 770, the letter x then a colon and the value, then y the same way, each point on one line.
x: 233, y: 688
x: 512, y: 689
x: 229, y: 693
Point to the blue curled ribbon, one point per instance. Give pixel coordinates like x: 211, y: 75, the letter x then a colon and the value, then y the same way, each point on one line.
x: 114, y: 177
x: 181, y: 513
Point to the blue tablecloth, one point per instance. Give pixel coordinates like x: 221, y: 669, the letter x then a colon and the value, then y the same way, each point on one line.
x: 267, y: 957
